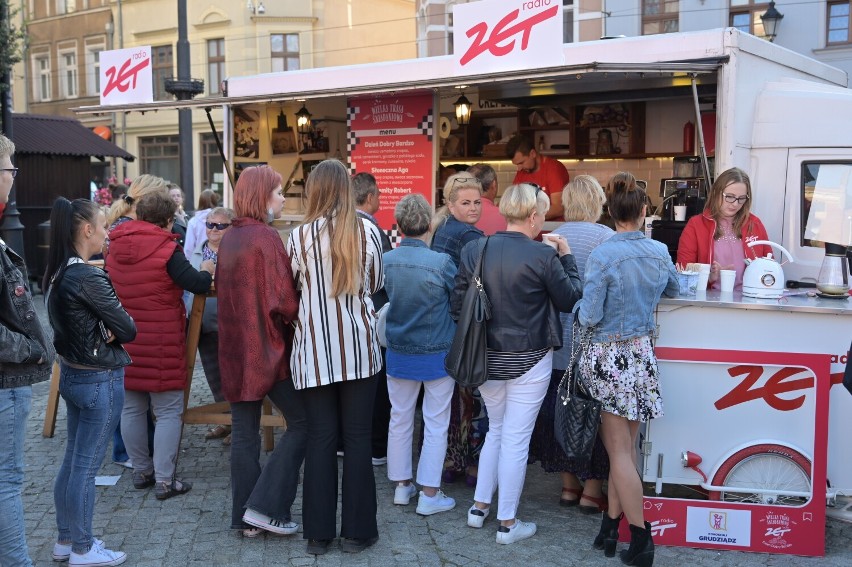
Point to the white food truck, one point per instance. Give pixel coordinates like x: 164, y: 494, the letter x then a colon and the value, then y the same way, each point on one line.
x: 746, y: 382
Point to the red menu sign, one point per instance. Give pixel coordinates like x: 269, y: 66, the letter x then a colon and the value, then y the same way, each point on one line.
x: 390, y: 136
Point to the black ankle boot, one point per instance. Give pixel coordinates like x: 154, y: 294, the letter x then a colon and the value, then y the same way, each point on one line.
x: 641, y: 550
x: 607, y: 538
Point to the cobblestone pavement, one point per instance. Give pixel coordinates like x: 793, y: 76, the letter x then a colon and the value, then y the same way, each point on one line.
x: 192, y: 530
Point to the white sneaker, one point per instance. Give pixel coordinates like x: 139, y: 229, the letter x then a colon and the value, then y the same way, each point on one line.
x: 520, y: 530
x: 476, y: 517
x: 98, y: 557
x: 62, y: 551
x: 128, y: 464
x: 428, y: 505
x: 403, y: 493
x: 264, y: 522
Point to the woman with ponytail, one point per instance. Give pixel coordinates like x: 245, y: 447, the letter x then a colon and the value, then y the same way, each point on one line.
x: 337, y: 261
x: 625, y: 277
x: 89, y: 326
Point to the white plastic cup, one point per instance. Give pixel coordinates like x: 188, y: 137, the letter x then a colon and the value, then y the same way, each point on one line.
x: 703, y: 277
x: 680, y: 212
x: 549, y: 240
x: 727, y: 278
x: 648, y: 221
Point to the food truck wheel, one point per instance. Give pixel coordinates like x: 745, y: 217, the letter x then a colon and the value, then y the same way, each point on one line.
x: 768, y: 466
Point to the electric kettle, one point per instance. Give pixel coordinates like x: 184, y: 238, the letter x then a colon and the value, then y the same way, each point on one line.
x: 763, y: 277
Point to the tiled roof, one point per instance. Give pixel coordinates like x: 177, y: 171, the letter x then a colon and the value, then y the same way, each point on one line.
x: 60, y: 136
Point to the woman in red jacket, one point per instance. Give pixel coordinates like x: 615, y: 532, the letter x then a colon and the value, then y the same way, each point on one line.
x: 720, y: 235
x: 150, y: 272
x: 257, y: 303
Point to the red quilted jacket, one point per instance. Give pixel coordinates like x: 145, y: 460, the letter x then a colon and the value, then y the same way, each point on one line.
x: 138, y: 253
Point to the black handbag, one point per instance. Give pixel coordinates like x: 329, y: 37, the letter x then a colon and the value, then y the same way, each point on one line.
x: 467, y: 360
x: 577, y: 415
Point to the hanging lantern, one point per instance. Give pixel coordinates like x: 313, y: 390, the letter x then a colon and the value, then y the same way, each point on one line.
x: 463, y: 107
x: 303, y: 120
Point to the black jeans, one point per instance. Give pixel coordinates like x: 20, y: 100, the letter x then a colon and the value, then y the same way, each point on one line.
x: 208, y: 348
x: 381, y: 413
x: 348, y: 405
x: 270, y: 491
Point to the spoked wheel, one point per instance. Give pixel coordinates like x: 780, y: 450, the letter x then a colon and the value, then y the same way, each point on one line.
x: 764, y: 467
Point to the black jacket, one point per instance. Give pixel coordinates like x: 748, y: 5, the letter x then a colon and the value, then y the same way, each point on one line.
x: 528, y: 285
x: 80, y: 298
x: 23, y: 342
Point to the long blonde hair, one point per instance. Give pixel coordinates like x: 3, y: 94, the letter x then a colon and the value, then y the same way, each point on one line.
x: 330, y: 197
x: 141, y: 186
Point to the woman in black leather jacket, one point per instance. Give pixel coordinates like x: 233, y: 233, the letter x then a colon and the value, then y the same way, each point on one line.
x: 89, y: 326
x: 528, y: 283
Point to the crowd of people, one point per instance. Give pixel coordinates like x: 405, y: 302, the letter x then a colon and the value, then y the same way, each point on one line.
x: 298, y: 323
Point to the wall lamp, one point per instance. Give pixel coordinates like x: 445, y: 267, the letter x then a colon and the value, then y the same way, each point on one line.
x: 463, y: 107
x: 303, y: 120
x: 771, y: 19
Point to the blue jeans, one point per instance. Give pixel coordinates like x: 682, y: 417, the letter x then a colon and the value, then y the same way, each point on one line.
x: 15, y: 406
x: 94, y: 399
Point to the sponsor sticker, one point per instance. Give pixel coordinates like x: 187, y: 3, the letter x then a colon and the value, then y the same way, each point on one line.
x: 718, y: 526
x: 777, y: 527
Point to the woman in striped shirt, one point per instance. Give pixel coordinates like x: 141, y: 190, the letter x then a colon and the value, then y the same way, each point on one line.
x: 337, y: 262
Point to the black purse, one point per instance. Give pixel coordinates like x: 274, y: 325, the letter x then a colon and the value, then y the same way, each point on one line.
x: 467, y: 360
x: 577, y: 415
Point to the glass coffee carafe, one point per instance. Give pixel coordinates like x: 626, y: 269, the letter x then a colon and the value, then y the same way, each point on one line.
x: 834, y: 272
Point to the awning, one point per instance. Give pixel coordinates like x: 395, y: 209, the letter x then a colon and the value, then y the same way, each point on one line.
x: 60, y: 136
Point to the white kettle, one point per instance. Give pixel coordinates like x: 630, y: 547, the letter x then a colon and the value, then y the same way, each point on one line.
x: 763, y: 277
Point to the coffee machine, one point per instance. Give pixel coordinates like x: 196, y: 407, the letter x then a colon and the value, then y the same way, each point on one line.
x: 691, y: 192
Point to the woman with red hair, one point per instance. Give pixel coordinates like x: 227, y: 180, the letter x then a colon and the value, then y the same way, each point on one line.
x: 257, y: 301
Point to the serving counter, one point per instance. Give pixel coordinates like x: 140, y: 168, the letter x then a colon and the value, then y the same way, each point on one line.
x: 755, y: 418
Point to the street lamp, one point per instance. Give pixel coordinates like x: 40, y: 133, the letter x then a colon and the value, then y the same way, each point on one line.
x: 462, y: 110
x: 771, y: 18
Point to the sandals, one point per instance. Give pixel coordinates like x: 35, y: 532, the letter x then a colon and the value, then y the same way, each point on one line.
x: 601, y: 504
x: 578, y: 492
x: 217, y: 432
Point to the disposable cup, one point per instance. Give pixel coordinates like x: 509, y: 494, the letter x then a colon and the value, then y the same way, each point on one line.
x: 688, y: 282
x: 549, y: 240
x: 703, y: 277
x: 680, y: 212
x: 726, y: 279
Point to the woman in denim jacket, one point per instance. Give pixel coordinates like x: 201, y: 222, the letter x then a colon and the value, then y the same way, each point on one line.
x: 419, y: 333
x: 453, y: 227
x: 625, y: 277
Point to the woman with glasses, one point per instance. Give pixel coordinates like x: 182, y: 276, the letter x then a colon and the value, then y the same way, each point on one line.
x: 528, y: 283
x: 452, y: 228
x: 720, y: 235
x: 257, y: 303
x: 217, y: 222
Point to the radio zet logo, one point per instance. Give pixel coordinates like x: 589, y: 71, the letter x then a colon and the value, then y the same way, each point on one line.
x: 125, y: 77
x: 500, y: 41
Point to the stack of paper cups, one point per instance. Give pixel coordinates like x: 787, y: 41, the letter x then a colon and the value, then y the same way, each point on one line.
x: 703, y: 276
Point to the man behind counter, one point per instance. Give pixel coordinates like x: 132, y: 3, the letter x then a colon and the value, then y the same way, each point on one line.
x: 547, y: 173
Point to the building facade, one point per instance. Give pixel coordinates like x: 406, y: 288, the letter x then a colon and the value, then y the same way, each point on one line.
x: 60, y: 69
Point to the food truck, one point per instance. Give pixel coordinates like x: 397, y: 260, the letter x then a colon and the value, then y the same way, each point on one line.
x: 753, y: 435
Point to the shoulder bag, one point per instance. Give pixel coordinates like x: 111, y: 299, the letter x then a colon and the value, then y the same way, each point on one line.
x: 467, y: 360
x: 577, y: 415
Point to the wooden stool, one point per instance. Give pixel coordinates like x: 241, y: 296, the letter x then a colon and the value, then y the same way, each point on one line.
x: 217, y: 413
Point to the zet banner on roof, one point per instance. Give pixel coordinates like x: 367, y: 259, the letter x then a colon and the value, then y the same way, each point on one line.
x: 126, y: 76
x: 502, y: 35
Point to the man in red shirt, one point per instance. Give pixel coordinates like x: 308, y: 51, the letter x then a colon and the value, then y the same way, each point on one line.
x: 490, y: 221
x: 547, y: 173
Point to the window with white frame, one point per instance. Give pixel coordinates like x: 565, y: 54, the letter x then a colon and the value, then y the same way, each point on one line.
x: 284, y: 51
x: 93, y: 69
x: 215, y: 65
x: 838, y: 25
x: 66, y: 6
x: 660, y: 16
x: 68, y: 74
x: 41, y: 76
x: 567, y: 21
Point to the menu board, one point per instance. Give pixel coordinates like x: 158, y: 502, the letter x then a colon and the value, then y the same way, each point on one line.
x: 390, y: 136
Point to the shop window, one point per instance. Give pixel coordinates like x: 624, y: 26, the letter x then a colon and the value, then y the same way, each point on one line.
x: 284, y: 51
x: 161, y: 68
x: 660, y: 16
x: 745, y: 16
x: 838, y: 26
x: 833, y: 184
x: 160, y: 155
x: 215, y: 65
x: 212, y: 165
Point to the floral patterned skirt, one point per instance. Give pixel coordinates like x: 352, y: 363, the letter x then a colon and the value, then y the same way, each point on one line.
x: 623, y: 375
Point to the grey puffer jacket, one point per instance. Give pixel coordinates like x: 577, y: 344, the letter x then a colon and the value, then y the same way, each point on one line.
x: 23, y: 342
